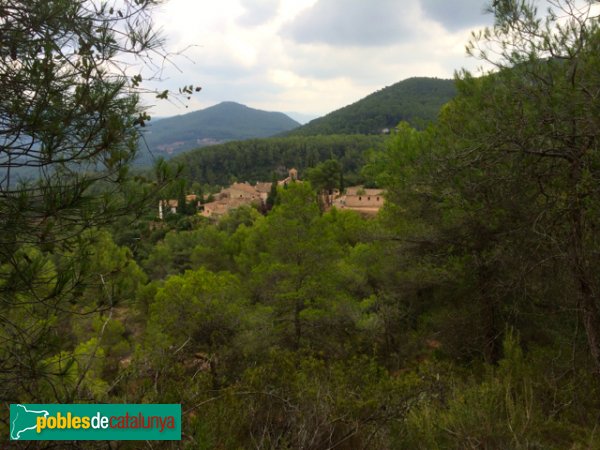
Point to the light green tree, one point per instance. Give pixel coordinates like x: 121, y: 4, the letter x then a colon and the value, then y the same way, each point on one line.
x: 292, y: 259
x: 197, y: 315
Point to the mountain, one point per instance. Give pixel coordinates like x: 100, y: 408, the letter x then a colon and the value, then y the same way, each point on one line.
x: 227, y: 121
x: 414, y: 100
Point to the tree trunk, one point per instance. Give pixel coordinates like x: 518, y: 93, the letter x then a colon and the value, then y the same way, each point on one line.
x: 489, y: 315
x: 586, y: 303
x: 586, y: 295
x: 298, y: 323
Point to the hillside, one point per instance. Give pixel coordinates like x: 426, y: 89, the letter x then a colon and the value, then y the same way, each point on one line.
x: 227, y: 121
x: 415, y: 100
x: 257, y: 159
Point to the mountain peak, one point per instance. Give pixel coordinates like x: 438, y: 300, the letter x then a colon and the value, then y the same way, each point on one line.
x: 226, y: 121
x: 229, y: 103
x: 415, y: 100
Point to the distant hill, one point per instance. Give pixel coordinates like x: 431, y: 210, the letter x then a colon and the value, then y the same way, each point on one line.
x: 415, y: 100
x: 227, y: 121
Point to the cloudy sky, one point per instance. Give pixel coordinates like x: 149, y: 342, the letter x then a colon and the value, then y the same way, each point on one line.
x: 310, y: 56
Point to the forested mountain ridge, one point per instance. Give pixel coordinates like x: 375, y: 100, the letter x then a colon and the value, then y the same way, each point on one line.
x: 414, y: 100
x: 338, y: 135
x: 227, y: 121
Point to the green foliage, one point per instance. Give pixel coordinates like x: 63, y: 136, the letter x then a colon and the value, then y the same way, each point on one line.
x: 462, y: 316
x: 73, y: 342
x: 288, y: 257
x: 272, y: 197
x: 69, y: 121
x: 192, y: 326
x: 304, y: 402
x: 508, y: 408
x: 256, y: 160
x: 325, y: 177
x: 199, y: 305
x: 206, y: 245
x: 540, y: 95
x: 114, y: 276
x: 483, y: 210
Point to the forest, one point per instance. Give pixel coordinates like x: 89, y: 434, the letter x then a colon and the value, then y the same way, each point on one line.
x: 257, y: 159
x: 465, y: 315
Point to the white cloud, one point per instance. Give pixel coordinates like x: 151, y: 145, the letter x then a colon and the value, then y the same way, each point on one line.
x: 355, y: 23
x: 258, y: 12
x: 309, y: 56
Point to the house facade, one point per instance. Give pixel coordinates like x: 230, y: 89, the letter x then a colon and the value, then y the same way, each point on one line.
x: 360, y: 199
x: 167, y: 206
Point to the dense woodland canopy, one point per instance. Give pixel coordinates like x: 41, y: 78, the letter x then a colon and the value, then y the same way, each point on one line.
x: 257, y: 159
x: 466, y: 315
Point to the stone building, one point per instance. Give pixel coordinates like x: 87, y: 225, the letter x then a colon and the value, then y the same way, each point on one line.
x: 360, y: 199
x: 292, y: 177
x: 236, y: 195
x: 356, y: 198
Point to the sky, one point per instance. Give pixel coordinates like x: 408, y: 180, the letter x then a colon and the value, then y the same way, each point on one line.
x: 309, y: 56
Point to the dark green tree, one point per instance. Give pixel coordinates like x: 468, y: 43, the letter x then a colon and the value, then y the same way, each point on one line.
x: 290, y: 258
x: 69, y: 123
x: 540, y: 110
x: 272, y: 197
x: 326, y: 177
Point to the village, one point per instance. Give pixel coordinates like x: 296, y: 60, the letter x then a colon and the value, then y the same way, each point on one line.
x: 365, y: 201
